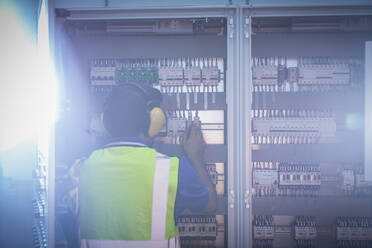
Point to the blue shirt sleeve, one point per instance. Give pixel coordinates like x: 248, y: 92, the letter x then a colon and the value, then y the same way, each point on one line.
x: 191, y: 194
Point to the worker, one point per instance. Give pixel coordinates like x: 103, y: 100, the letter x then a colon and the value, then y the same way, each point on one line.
x: 129, y: 194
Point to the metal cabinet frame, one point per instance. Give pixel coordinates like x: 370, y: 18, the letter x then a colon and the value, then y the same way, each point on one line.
x: 238, y: 82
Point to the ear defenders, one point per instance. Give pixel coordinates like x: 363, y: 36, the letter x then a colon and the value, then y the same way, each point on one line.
x: 153, y: 99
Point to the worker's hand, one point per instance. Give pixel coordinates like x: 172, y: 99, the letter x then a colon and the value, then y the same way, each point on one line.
x: 194, y: 147
x: 194, y: 144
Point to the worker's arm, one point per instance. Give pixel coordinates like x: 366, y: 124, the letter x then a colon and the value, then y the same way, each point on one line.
x: 194, y: 147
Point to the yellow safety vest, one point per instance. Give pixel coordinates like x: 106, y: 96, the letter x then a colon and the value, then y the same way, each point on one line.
x: 127, y: 195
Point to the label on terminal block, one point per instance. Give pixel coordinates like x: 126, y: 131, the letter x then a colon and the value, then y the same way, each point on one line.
x: 305, y: 232
x: 348, y: 179
x: 324, y: 74
x: 324, y: 127
x: 265, y: 177
x: 299, y: 179
x: 299, y: 175
x: 263, y: 232
x: 192, y: 76
x: 210, y: 76
x: 265, y: 75
x: 292, y: 74
x: 170, y: 76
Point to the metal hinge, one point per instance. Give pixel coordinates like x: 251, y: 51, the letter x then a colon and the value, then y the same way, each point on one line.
x: 231, y: 23
x: 231, y: 199
x: 247, y: 27
x: 246, y: 199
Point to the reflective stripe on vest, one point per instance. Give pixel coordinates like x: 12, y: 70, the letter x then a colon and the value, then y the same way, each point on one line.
x: 125, y: 143
x: 158, y: 215
x: 171, y: 243
x: 160, y: 197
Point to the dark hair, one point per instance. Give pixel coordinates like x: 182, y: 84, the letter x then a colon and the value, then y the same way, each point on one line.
x: 125, y: 112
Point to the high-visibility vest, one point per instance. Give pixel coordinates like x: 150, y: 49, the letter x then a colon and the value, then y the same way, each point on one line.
x: 126, y: 198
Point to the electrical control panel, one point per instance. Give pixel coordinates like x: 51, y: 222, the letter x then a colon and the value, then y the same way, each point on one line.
x: 299, y: 124
x: 301, y: 167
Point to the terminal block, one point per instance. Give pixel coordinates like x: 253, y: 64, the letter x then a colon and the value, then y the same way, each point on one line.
x: 192, y: 76
x: 354, y: 228
x: 39, y: 234
x: 265, y: 178
x: 348, y: 181
x: 305, y: 228
x: 265, y: 75
x: 306, y: 243
x: 178, y: 123
x: 299, y: 179
x: 144, y: 73
x: 270, y: 126
x: 39, y: 205
x: 210, y: 72
x: 102, y: 72
x: 354, y: 244
x: 263, y: 227
x: 292, y: 74
x: 197, y: 227
x: 212, y: 172
x: 274, y: 178
x: 268, y: 74
x: 352, y: 181
x: 263, y: 243
x: 334, y: 74
x: 170, y: 75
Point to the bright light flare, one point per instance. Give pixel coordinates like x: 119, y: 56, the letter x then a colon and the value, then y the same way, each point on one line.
x: 27, y: 82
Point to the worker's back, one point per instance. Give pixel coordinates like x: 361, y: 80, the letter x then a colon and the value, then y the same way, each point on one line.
x: 116, y: 190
